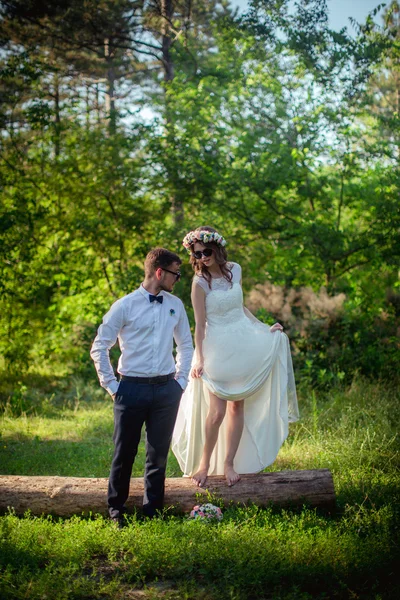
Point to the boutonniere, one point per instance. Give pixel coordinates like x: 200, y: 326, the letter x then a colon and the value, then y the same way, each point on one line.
x: 172, y: 312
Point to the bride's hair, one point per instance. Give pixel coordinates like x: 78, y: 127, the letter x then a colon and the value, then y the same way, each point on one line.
x: 220, y: 256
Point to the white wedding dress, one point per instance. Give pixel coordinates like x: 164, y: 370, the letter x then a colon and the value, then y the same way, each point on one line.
x: 242, y: 360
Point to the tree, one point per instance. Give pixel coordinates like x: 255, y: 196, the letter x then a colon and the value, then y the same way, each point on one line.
x: 260, y: 125
x: 383, y: 92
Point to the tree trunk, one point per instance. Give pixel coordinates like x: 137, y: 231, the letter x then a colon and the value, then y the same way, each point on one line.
x: 98, y: 105
x: 110, y: 93
x: 57, y: 118
x: 167, y: 13
x: 87, y: 107
x: 67, y: 496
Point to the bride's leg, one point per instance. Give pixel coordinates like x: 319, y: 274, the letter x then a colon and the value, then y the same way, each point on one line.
x: 214, y: 419
x: 235, y: 426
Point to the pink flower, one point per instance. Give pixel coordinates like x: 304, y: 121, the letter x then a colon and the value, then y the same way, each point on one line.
x: 206, y: 512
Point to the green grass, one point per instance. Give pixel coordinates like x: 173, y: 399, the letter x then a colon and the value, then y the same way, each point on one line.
x: 252, y: 554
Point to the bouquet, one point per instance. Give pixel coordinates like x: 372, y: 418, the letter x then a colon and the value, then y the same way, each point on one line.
x: 206, y: 512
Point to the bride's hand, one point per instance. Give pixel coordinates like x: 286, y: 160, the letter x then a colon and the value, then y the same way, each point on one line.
x: 197, y: 370
x: 276, y: 327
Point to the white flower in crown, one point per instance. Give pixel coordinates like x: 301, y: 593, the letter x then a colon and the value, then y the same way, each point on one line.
x: 202, y: 236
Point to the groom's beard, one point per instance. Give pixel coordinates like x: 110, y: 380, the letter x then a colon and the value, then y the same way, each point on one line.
x: 166, y: 288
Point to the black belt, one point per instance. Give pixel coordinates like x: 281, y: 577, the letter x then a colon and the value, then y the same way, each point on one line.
x: 158, y: 379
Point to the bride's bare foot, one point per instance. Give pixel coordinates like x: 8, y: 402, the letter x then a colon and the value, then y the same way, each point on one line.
x: 231, y: 476
x: 200, y: 477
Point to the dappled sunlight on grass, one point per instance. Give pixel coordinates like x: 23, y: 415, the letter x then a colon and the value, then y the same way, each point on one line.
x: 299, y: 554
x: 93, y: 422
x: 249, y: 550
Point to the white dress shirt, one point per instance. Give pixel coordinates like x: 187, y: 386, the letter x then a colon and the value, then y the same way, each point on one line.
x: 145, y: 331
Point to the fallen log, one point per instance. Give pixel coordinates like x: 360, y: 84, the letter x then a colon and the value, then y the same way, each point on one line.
x: 67, y: 496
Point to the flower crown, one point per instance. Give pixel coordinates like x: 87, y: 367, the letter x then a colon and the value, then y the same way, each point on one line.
x: 202, y: 236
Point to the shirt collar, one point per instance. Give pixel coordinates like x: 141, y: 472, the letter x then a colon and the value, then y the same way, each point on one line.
x: 147, y: 294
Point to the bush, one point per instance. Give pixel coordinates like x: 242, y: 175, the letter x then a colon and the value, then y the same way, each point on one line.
x: 333, y: 339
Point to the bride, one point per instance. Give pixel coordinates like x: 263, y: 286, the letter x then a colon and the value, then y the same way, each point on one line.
x: 234, y: 414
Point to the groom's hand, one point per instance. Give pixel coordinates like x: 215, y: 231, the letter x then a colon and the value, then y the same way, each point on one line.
x: 276, y: 327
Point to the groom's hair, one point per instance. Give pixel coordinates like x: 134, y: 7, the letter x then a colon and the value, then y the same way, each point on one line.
x: 159, y: 258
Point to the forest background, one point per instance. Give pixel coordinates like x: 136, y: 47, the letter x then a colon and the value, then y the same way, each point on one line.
x: 126, y: 123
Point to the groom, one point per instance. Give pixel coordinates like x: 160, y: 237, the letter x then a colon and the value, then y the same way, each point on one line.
x: 145, y: 323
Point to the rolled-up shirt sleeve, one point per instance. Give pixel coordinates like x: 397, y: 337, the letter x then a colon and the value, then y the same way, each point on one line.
x: 184, y: 349
x: 106, y: 338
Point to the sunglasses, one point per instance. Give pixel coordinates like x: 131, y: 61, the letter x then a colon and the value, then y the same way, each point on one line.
x: 177, y: 273
x: 206, y: 253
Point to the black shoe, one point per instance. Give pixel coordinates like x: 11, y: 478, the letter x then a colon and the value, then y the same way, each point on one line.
x: 119, y: 521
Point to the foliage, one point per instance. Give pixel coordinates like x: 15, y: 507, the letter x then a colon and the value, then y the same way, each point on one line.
x: 334, y: 339
x: 122, y: 129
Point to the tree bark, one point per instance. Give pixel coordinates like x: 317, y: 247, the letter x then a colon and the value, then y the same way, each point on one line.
x: 67, y: 496
x: 110, y: 92
x: 57, y: 117
x: 167, y: 14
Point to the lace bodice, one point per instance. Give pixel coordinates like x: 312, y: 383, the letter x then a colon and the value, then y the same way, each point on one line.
x: 224, y: 308
x: 220, y: 283
x: 224, y: 301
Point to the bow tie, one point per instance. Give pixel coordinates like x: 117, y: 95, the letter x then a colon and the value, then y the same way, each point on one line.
x: 156, y: 298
